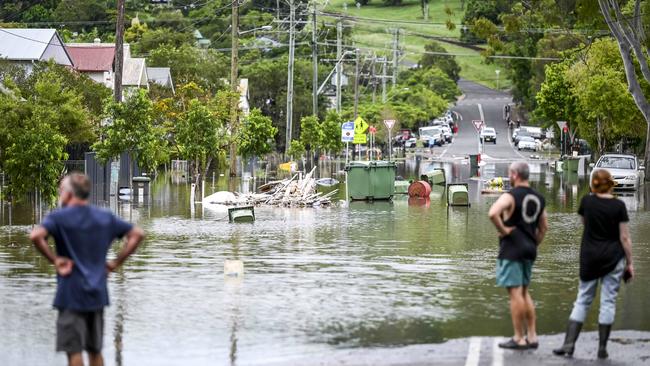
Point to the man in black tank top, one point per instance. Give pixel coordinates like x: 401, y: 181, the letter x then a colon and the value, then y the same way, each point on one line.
x: 520, y: 219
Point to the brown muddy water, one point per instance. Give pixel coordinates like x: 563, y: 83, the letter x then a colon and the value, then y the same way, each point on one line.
x: 377, y: 274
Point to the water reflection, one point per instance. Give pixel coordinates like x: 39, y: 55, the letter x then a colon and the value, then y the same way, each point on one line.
x: 367, y: 274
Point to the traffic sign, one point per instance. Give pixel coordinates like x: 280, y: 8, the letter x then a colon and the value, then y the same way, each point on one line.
x: 360, y: 138
x: 478, y: 124
x: 347, y: 131
x: 372, y: 130
x: 360, y: 126
x: 562, y: 125
x: 389, y: 123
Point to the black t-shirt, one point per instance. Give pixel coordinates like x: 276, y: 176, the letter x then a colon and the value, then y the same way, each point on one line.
x: 601, y: 247
x: 522, y: 243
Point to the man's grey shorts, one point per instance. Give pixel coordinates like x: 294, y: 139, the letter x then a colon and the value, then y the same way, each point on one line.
x: 79, y: 331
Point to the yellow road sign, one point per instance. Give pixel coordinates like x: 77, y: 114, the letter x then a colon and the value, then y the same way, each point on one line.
x: 360, y: 126
x: 360, y: 138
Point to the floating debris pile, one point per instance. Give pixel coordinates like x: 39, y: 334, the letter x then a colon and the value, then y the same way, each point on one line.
x: 297, y: 191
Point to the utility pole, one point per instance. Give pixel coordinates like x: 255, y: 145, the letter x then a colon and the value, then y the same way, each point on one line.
x: 234, y: 85
x: 339, y: 65
x: 314, y: 55
x: 395, y: 55
x: 373, y: 79
x: 119, y: 52
x: 383, y: 80
x: 356, y: 83
x: 290, y: 74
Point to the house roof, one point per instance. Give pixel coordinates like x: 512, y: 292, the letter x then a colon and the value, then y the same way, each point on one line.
x: 20, y: 44
x: 92, y: 58
x: 161, y: 76
x: 135, y: 72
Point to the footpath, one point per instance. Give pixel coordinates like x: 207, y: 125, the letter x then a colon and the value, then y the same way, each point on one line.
x: 625, y: 348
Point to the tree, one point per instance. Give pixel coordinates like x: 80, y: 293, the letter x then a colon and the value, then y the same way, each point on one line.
x: 190, y: 64
x: 630, y: 35
x: 37, y: 124
x: 269, y: 76
x: 200, y: 135
x: 598, y: 83
x: 433, y: 79
x: 331, y: 128
x: 255, y: 135
x: 515, y: 32
x: 589, y: 91
x: 296, y: 149
x: 151, y: 39
x: 436, y: 58
x: 311, y: 133
x: 81, y: 10
x: 556, y: 100
x: 131, y: 130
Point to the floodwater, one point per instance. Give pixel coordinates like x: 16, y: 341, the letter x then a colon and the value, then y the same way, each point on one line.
x: 379, y: 274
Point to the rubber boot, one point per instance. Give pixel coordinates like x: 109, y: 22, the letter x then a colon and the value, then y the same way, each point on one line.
x: 603, y: 336
x: 572, y: 333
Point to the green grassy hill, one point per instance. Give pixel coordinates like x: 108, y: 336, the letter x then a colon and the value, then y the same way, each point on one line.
x: 374, y: 23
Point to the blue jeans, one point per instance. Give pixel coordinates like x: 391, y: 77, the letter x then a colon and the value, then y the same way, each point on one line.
x: 611, y: 283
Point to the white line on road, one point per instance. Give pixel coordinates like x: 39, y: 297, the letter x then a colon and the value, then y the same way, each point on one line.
x: 480, y: 111
x: 512, y: 145
x: 473, y: 352
x: 497, y: 353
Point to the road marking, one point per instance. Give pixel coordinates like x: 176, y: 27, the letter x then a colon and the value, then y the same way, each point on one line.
x: 445, y: 151
x: 480, y: 111
x: 497, y: 353
x: 473, y: 352
x: 512, y: 146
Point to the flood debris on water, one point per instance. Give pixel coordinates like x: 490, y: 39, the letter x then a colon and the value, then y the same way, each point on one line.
x: 297, y: 191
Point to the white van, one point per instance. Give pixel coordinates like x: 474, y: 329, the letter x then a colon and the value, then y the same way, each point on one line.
x: 534, y: 132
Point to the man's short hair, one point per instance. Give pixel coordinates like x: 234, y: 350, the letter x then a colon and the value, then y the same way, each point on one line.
x: 521, y: 168
x: 78, y: 184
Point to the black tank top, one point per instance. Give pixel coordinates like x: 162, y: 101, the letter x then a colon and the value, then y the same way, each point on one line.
x: 522, y: 243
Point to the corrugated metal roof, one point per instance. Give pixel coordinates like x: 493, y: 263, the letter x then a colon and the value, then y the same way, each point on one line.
x: 24, y: 44
x: 132, y: 75
x: 159, y: 75
x: 92, y: 58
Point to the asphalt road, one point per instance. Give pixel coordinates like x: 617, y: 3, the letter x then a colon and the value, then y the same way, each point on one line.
x: 625, y: 348
x: 481, y: 103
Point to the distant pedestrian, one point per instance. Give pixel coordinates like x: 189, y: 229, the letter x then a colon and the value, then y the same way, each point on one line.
x: 520, y: 219
x: 518, y: 123
x: 83, y: 235
x: 605, y: 257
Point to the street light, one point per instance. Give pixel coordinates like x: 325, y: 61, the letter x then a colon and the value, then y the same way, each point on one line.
x: 265, y: 27
x: 497, y: 71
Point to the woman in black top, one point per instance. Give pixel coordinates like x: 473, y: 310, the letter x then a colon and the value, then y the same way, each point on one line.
x: 605, y: 257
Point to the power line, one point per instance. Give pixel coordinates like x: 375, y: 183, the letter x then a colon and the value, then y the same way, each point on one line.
x: 374, y: 48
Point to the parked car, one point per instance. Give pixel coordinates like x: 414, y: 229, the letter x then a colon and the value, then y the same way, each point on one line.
x: 488, y: 134
x: 527, y: 143
x: 515, y: 132
x: 410, y: 143
x: 624, y: 169
x: 535, y: 132
x: 447, y: 134
x: 439, y: 122
x: 433, y: 135
x: 521, y: 133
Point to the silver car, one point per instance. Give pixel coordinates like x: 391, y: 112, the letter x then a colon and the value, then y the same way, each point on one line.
x: 624, y: 169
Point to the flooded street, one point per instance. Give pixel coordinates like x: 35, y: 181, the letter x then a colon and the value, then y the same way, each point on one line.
x: 380, y: 274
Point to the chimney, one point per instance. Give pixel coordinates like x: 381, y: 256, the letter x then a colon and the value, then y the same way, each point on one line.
x: 127, y: 50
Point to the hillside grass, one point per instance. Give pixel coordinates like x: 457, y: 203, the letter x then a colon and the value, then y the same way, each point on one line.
x: 376, y: 33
